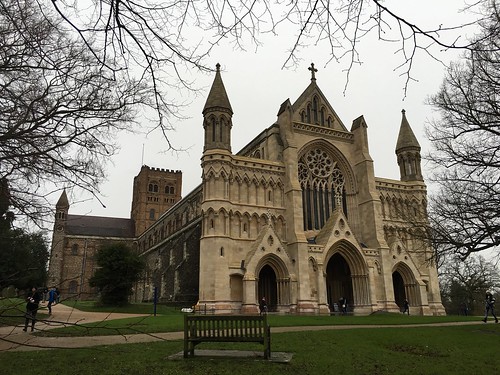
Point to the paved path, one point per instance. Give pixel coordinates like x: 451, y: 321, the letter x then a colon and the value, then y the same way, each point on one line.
x: 14, y: 339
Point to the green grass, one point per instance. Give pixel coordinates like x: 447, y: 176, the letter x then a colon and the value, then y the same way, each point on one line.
x: 170, y: 319
x: 375, y: 351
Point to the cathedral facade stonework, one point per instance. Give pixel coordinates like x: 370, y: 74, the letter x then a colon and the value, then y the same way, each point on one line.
x: 297, y: 216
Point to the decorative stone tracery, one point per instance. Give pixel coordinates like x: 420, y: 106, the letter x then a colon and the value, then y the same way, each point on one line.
x: 322, y: 184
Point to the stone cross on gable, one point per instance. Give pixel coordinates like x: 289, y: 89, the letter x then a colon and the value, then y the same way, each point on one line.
x: 313, y: 71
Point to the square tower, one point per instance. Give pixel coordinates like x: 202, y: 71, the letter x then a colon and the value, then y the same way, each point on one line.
x: 155, y: 191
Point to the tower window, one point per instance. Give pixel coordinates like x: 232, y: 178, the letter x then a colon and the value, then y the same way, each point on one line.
x: 153, y: 187
x: 213, y: 130
x: 74, y: 249
x: 73, y: 287
x: 152, y: 214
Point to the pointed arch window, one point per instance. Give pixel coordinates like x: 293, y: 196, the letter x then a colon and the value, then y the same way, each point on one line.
x: 221, y: 129
x: 322, y: 117
x: 315, y: 110
x: 323, y: 190
x: 213, y: 128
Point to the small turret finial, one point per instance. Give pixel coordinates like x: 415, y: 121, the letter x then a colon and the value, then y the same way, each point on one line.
x: 217, y: 67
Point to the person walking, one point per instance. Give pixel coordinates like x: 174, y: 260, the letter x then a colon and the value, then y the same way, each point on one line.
x: 343, y: 305
x: 263, y: 306
x: 32, y: 308
x: 489, y: 307
x: 406, y: 307
x: 52, y: 299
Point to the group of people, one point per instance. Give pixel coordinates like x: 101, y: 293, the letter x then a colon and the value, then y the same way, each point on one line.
x: 33, y: 302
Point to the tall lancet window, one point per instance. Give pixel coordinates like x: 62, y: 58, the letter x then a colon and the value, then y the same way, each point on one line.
x: 322, y: 184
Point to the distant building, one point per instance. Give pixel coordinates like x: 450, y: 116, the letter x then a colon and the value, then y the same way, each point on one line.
x: 297, y: 216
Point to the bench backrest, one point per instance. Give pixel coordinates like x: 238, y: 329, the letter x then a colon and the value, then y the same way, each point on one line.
x: 225, y: 326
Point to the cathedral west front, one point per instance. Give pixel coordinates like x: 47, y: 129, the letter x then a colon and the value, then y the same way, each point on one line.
x: 297, y: 216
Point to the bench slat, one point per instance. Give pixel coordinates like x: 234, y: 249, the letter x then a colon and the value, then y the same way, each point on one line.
x: 225, y: 328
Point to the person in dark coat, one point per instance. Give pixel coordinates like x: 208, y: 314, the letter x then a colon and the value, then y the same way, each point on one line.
x: 33, y: 301
x: 489, y: 307
x: 263, y: 306
x: 52, y: 299
x: 343, y: 305
x: 406, y: 307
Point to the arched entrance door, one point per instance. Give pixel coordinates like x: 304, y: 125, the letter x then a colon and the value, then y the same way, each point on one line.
x: 268, y: 287
x: 338, y: 281
x: 399, y: 289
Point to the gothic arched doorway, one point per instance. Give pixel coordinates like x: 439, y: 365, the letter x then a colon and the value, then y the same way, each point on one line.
x: 338, y: 281
x: 399, y: 289
x: 268, y: 287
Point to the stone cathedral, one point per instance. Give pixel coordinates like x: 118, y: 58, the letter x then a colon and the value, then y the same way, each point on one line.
x: 297, y: 216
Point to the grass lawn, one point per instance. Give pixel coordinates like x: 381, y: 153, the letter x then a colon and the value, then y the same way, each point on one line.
x: 170, y: 319
x: 456, y: 350
x: 466, y: 350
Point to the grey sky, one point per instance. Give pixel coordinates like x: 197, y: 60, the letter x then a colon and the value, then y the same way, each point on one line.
x: 256, y: 85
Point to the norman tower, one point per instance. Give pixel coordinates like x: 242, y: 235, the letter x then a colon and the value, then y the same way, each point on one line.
x: 155, y: 191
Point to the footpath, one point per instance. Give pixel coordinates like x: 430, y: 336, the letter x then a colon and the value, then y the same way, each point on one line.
x: 15, y: 339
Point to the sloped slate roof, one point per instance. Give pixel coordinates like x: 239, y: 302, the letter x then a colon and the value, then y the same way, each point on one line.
x: 100, y: 226
x: 406, y: 137
x: 217, y: 98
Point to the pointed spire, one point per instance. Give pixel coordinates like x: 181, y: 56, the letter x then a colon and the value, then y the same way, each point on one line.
x: 63, y: 200
x: 217, y: 98
x: 406, y: 138
x: 408, y: 152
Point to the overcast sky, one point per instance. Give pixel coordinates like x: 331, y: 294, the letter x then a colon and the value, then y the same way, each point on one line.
x: 257, y: 84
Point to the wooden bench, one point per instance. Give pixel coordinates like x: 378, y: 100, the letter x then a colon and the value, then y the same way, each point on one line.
x: 226, y: 328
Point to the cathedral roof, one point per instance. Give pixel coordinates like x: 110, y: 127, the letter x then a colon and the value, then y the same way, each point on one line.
x: 217, y: 98
x: 63, y: 200
x: 406, y: 137
x: 85, y: 225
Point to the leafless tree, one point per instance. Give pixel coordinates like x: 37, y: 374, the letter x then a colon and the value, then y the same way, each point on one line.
x: 161, y: 36
x: 59, y: 110
x: 465, y: 138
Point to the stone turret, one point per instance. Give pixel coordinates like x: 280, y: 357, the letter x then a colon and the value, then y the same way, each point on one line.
x: 217, y: 115
x: 408, y: 152
x: 62, y: 208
